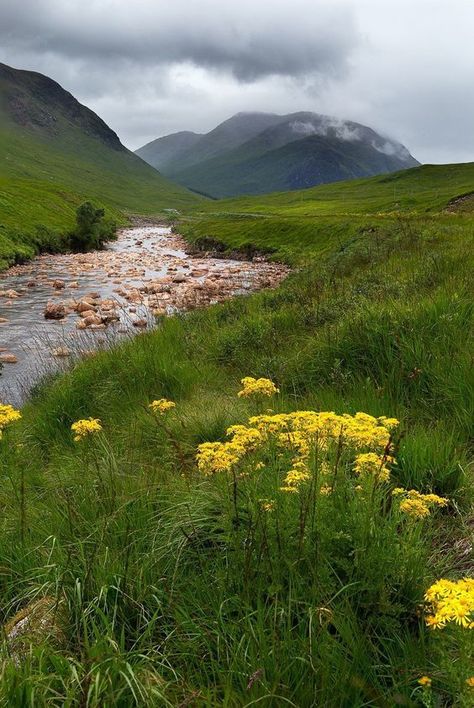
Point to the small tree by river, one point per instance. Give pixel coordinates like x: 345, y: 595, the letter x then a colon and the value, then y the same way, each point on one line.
x: 92, y: 228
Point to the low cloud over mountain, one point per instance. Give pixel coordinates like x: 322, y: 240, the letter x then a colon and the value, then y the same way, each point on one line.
x: 152, y: 66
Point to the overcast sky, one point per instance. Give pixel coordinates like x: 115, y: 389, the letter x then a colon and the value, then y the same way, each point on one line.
x: 152, y: 67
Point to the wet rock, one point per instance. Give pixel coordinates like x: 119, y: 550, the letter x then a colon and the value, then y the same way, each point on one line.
x: 87, y: 313
x: 43, y: 620
x: 141, y: 323
x: 58, y: 284
x: 8, y: 358
x: 61, y: 352
x: 9, y: 293
x: 84, y: 306
x: 92, y: 320
x: 54, y: 311
x: 109, y: 317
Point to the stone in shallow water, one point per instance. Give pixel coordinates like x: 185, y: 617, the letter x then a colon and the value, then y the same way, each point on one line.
x: 8, y: 358
x: 54, y: 311
x: 61, y: 351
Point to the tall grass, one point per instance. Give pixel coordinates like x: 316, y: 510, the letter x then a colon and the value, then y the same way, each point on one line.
x: 171, y: 601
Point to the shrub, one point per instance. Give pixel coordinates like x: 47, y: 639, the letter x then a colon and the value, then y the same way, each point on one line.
x: 92, y: 228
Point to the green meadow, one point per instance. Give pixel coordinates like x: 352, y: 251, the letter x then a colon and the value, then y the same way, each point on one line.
x: 152, y: 580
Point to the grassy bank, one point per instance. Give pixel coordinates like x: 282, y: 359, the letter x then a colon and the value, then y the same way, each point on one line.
x: 175, y: 587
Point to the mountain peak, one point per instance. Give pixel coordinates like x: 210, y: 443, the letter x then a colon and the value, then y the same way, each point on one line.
x: 255, y: 152
x: 36, y: 102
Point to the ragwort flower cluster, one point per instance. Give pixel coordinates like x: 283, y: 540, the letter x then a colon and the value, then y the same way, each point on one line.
x: 8, y: 415
x: 254, y: 388
x: 85, y: 428
x: 300, y: 434
x: 450, y: 601
x: 417, y: 505
x: 215, y: 457
x: 161, y: 406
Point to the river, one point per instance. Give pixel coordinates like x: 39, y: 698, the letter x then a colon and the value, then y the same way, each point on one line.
x: 123, y: 289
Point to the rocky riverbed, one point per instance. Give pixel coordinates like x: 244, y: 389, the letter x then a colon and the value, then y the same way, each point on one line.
x: 60, y: 307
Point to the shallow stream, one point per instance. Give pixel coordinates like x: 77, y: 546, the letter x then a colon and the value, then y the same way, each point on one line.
x: 146, y: 273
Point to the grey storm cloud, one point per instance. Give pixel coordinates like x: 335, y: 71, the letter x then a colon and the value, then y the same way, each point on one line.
x: 245, y: 38
x: 152, y: 67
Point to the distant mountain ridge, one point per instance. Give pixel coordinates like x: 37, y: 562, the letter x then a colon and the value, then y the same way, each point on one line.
x: 46, y: 134
x: 255, y: 153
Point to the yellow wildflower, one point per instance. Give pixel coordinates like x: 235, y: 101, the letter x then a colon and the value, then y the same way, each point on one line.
x: 215, y: 457
x: 257, y: 387
x: 297, y: 475
x: 84, y: 428
x: 451, y: 601
x: 8, y: 415
x: 470, y: 681
x: 369, y: 463
x: 415, y: 508
x: 266, y: 504
x: 245, y: 438
x: 325, y: 490
x: 425, y: 681
x: 417, y: 505
x: 161, y: 406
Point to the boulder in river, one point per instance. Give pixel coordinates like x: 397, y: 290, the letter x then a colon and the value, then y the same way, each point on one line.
x: 54, y: 311
x: 8, y: 358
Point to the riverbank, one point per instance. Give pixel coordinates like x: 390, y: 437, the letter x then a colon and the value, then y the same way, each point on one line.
x: 58, y: 307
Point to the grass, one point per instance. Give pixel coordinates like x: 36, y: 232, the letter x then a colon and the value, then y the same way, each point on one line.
x: 178, y: 592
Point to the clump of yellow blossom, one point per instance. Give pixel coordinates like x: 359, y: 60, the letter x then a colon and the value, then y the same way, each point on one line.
x: 8, y: 415
x: 450, y: 601
x: 161, y: 406
x: 298, y: 474
x: 267, y: 504
x: 417, y: 505
x: 369, y: 463
x: 425, y: 681
x: 470, y: 681
x: 301, y: 433
x: 325, y: 490
x: 86, y: 427
x: 215, y: 457
x: 257, y: 387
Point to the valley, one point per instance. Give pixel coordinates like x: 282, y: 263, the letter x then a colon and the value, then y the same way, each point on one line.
x: 236, y: 459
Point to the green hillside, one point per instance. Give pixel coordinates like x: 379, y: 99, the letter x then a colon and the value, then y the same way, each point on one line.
x: 276, y: 578
x: 56, y: 153
x: 292, y: 223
